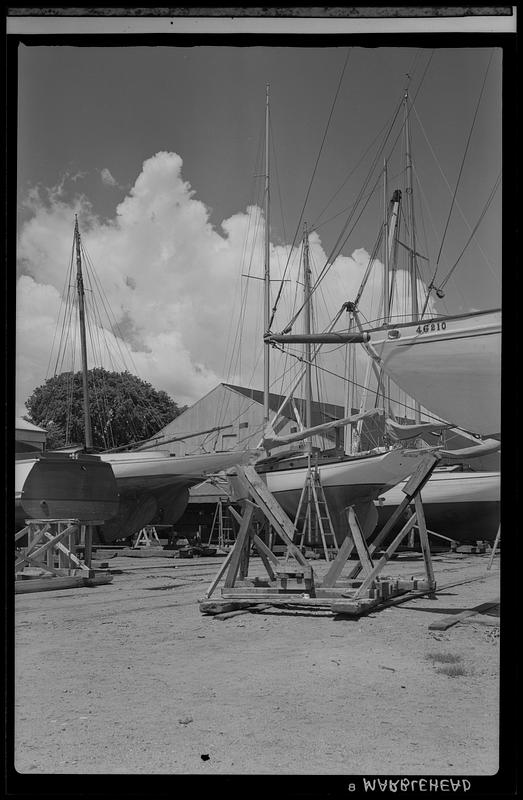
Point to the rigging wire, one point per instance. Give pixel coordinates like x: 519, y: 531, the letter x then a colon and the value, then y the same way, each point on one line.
x: 485, y: 209
x: 360, y: 386
x: 437, y: 162
x: 464, y: 157
x: 311, y: 181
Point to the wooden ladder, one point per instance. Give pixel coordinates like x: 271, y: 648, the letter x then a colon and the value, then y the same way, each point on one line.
x: 314, y: 511
x: 223, y: 521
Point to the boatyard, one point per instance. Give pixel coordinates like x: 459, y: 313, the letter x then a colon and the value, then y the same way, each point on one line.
x: 160, y: 688
x: 257, y: 490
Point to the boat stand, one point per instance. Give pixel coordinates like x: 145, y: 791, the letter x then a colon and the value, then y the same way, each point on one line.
x: 295, y: 584
x: 52, y: 546
x: 147, y: 537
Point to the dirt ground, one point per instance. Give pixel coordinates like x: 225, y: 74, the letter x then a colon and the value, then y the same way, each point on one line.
x: 132, y: 678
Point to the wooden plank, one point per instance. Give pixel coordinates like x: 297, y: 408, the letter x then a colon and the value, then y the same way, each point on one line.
x: 220, y: 606
x: 272, y: 510
x: 21, y: 533
x: 242, y: 540
x: 452, y: 619
x: 354, y: 607
x: 37, y: 564
x: 215, y: 581
x: 70, y: 555
x: 232, y: 591
x: 359, y: 541
x: 266, y: 556
x: 336, y: 568
x: 385, y: 557
x: 48, y: 584
x: 424, y: 539
x: 53, y: 541
x: 282, y: 598
x: 404, y: 503
x: 249, y: 610
x: 494, y: 547
x: 35, y: 539
x: 420, y: 477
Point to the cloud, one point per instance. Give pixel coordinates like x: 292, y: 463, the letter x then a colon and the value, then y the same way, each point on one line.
x: 173, y: 282
x: 107, y: 178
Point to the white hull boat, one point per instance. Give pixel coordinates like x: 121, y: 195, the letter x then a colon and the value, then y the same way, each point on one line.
x: 464, y: 506
x: 450, y: 365
x: 350, y: 480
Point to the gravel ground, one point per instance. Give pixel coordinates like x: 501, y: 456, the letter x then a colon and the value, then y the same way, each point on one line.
x: 132, y: 678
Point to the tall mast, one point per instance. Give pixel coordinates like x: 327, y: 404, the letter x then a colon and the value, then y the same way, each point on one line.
x: 267, y: 272
x: 412, y: 232
x: 386, y: 246
x: 83, y: 342
x: 307, y: 328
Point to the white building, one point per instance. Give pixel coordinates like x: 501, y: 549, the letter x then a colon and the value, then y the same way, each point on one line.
x: 232, y: 418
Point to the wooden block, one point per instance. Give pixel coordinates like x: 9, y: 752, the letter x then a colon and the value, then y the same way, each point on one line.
x: 353, y: 607
x: 48, y: 584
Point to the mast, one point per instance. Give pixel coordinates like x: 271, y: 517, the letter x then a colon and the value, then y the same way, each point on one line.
x: 386, y: 246
x: 307, y: 328
x: 412, y: 233
x: 83, y: 342
x: 267, y: 272
x: 412, y: 237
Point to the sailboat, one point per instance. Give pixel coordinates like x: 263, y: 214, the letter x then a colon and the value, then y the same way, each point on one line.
x: 450, y: 365
x: 150, y: 483
x: 347, y: 480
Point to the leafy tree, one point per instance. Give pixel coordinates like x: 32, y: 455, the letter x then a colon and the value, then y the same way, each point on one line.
x: 123, y: 408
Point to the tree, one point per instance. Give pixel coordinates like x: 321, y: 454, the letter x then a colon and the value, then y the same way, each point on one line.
x: 123, y: 408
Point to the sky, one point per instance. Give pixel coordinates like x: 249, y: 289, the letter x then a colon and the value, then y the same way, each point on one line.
x: 159, y: 152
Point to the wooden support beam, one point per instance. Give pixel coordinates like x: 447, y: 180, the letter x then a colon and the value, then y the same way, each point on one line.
x: 264, y: 552
x: 53, y: 541
x: 215, y: 581
x: 336, y: 568
x: 367, y: 581
x: 416, y: 482
x: 241, y: 540
x: 21, y: 533
x: 272, y: 510
x: 71, y: 556
x: 424, y: 539
x: 494, y: 547
x: 359, y: 541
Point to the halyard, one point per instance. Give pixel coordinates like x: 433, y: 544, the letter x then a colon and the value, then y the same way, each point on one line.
x: 132, y: 678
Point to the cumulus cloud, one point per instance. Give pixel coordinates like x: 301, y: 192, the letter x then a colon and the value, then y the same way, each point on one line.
x: 173, y: 282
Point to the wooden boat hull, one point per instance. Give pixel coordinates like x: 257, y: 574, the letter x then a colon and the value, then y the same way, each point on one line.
x: 464, y: 506
x: 150, y: 485
x: 450, y: 365
x: 347, y: 481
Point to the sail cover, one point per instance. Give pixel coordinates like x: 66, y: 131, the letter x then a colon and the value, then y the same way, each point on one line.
x: 270, y: 439
x: 401, y: 432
